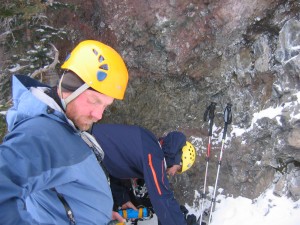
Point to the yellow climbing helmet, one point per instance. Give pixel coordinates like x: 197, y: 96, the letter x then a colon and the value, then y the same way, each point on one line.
x: 188, y: 156
x: 100, y: 67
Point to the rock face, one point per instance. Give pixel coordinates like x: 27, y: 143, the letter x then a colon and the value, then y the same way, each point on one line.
x: 182, y: 55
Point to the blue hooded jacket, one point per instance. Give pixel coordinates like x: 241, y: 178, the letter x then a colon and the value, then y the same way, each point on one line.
x: 171, y: 144
x: 43, y: 150
x: 134, y: 152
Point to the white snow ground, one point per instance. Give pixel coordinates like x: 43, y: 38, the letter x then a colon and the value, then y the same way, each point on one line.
x: 267, y: 209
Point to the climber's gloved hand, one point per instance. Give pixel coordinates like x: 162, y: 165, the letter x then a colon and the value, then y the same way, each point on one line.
x: 184, y: 210
x: 191, y: 219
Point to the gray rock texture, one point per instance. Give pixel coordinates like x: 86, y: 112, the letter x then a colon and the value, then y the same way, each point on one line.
x: 182, y: 55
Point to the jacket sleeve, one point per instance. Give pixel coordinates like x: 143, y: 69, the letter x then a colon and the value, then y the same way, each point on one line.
x: 26, y: 159
x: 162, y: 198
x: 15, y: 172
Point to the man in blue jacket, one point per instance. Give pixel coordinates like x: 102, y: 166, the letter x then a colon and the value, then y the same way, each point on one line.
x: 49, y: 172
x: 134, y: 152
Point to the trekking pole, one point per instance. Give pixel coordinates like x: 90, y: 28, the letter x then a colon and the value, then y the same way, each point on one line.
x: 209, y: 115
x: 227, y: 121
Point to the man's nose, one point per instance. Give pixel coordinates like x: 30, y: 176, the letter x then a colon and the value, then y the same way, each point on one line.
x: 98, y: 113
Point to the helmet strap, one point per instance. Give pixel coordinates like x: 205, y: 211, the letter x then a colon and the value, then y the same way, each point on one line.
x: 76, y: 93
x: 73, y: 95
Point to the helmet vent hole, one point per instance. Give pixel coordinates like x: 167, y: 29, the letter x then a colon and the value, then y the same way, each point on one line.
x: 104, y: 67
x: 101, y: 75
x: 101, y: 58
x: 95, y: 52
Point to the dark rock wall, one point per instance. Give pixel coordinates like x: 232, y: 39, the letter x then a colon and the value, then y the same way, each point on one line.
x: 182, y: 55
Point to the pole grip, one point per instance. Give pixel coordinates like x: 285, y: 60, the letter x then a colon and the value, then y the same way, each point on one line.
x: 227, y: 119
x: 209, y: 114
x: 227, y: 114
x: 225, y: 131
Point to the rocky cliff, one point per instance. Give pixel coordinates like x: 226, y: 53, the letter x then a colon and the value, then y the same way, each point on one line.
x: 181, y: 56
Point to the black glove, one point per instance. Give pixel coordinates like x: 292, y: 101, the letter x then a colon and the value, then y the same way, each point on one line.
x: 191, y: 219
x: 184, y: 210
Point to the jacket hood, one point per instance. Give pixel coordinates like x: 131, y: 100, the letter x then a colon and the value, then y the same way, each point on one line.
x: 171, y: 146
x: 29, y: 100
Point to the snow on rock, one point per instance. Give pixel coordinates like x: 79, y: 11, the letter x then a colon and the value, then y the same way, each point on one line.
x: 267, y: 209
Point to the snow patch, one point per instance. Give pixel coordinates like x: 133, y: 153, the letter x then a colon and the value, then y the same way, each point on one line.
x: 270, y: 113
x: 267, y: 209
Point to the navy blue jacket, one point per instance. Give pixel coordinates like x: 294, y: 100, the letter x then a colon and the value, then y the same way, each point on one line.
x: 134, y: 152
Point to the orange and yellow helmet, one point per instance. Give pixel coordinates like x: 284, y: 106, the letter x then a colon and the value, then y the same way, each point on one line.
x: 100, y: 67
